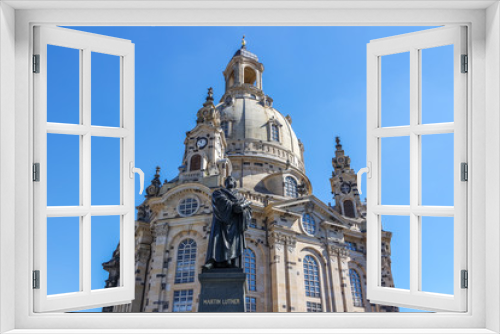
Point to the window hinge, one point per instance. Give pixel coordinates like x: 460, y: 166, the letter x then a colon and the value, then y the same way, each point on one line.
x: 36, y: 63
x: 465, y: 64
x: 36, y: 279
x: 36, y: 172
x: 464, y: 171
x: 465, y: 279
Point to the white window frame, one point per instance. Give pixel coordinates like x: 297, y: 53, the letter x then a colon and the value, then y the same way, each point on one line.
x: 413, y: 43
x: 16, y: 21
x: 85, y: 43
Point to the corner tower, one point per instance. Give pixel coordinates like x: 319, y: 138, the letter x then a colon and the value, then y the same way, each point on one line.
x: 345, y: 185
x: 204, y: 158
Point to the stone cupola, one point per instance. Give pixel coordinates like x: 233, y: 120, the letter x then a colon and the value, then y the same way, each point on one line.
x: 244, y: 71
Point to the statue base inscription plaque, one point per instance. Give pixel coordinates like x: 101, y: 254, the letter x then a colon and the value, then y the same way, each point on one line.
x: 222, y: 290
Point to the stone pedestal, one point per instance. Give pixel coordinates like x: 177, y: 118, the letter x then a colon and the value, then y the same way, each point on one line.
x: 222, y: 290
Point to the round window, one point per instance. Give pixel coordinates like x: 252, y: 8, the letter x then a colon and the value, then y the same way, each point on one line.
x: 188, y: 206
x: 308, y: 224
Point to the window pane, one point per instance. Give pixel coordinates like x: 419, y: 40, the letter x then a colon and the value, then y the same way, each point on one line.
x: 183, y: 301
x: 251, y: 304
x: 395, y: 171
x: 356, y: 288
x: 437, y: 169
x: 186, y: 262
x: 437, y: 254
x: 63, y: 255
x: 105, y: 171
x: 63, y: 85
x: 396, y: 251
x: 395, y: 89
x: 308, y: 224
x: 437, y: 84
x: 105, y: 237
x: 314, y: 307
x: 105, y: 90
x: 250, y: 269
x: 63, y: 170
x: 311, y: 278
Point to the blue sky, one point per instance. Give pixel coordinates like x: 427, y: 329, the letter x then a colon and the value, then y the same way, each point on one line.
x: 315, y: 74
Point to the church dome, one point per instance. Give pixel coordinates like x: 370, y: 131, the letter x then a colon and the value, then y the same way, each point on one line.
x: 255, y: 129
x: 251, y: 125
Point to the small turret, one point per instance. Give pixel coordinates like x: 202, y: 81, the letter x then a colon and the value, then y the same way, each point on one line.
x: 205, y: 154
x: 344, y: 185
x: 154, y: 188
x: 208, y: 115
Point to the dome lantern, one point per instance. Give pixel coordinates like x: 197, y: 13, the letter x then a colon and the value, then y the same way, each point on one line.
x: 244, y: 70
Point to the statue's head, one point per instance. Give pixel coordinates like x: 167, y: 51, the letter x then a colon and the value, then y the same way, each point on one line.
x: 230, y: 182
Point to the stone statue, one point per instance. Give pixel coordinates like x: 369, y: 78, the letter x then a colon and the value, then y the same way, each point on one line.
x: 232, y: 216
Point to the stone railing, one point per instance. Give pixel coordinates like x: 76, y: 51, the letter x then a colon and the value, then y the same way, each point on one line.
x: 256, y: 198
x: 264, y: 148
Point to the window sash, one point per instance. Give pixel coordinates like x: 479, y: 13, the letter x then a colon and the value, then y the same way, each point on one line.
x: 86, y: 43
x: 412, y: 43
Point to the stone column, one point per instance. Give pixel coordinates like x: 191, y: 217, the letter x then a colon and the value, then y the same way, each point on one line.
x: 158, y: 272
x: 343, y: 265
x: 291, y: 274
x: 143, y: 241
x: 334, y: 279
x: 278, y: 274
x: 239, y: 74
x: 142, y: 256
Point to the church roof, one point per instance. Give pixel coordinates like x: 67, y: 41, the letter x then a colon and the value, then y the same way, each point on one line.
x: 245, y: 53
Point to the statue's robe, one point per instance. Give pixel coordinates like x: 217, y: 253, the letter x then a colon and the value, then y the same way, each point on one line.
x: 230, y: 221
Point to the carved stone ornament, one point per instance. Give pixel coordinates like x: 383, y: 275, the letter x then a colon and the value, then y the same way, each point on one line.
x: 160, y: 230
x: 276, y: 238
x: 142, y: 255
x: 156, y: 208
x: 208, y: 114
x: 291, y: 242
x: 337, y: 250
x: 309, y: 207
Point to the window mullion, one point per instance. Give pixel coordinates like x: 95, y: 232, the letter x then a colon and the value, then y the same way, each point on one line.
x: 85, y: 167
x: 414, y: 171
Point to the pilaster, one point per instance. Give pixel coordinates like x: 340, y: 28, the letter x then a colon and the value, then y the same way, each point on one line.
x: 343, y: 265
x: 278, y: 273
x: 291, y: 260
x: 158, y: 271
x: 334, y: 272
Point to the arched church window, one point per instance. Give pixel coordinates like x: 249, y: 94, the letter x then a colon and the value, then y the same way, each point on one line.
x: 349, y: 209
x: 357, y: 295
x: 195, y: 163
x: 251, y: 269
x: 187, y: 206
x: 291, y: 187
x: 311, y: 277
x: 308, y: 223
x: 186, y: 261
x: 250, y: 77
x: 275, y: 133
x: 225, y: 127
